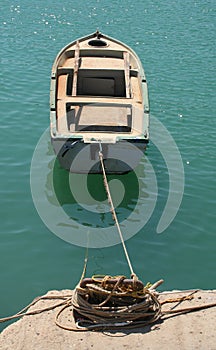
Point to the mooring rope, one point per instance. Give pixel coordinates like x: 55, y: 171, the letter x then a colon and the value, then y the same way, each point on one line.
x: 133, y: 275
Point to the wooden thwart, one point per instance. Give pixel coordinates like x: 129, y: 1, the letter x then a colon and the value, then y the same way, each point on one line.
x: 127, y: 74
x: 76, y: 68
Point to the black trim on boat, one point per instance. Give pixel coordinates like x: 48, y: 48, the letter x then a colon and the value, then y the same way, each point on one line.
x: 97, y: 43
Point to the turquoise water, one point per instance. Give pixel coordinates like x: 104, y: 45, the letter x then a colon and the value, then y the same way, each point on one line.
x: 176, y: 44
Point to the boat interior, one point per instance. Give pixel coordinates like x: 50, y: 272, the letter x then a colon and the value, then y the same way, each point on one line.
x: 95, y: 91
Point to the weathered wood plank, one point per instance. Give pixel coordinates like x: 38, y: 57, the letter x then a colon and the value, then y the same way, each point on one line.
x: 76, y: 68
x: 127, y: 74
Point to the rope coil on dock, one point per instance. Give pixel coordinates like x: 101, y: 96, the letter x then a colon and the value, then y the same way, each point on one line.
x: 103, y: 305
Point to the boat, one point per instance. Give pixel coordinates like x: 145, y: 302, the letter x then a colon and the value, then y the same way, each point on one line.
x: 98, y: 101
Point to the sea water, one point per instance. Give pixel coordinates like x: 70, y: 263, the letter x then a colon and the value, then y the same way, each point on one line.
x: 175, y: 41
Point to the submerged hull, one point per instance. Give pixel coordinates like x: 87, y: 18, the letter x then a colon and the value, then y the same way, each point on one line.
x: 98, y: 100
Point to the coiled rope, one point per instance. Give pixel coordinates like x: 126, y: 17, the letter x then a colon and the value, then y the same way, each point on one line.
x: 104, y: 305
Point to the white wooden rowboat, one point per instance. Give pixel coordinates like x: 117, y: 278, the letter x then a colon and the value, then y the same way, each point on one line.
x: 98, y: 96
